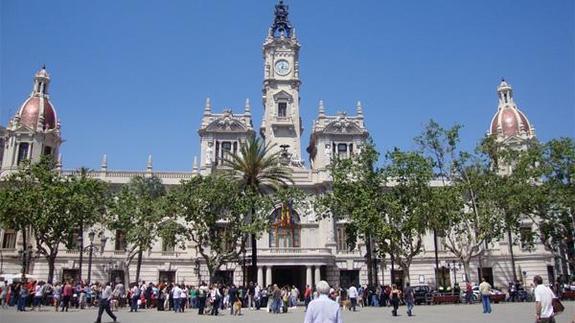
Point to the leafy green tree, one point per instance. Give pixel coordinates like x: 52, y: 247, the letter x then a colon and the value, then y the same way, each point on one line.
x: 356, y: 195
x: 555, y: 208
x: 88, y: 200
x: 514, y: 188
x: 17, y: 204
x: 138, y: 211
x: 53, y: 206
x: 463, y: 212
x: 213, y: 213
x: 258, y: 171
x: 408, y: 201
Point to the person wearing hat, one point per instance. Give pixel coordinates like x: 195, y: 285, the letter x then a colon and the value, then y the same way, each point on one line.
x: 323, y: 309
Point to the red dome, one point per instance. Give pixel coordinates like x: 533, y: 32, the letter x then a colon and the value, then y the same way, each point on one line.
x: 30, y: 112
x: 511, y: 122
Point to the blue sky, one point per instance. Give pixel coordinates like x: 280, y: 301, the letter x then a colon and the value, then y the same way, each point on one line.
x: 129, y: 78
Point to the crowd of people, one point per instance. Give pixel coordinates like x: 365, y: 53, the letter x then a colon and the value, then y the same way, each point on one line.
x: 207, y: 299
x: 210, y: 299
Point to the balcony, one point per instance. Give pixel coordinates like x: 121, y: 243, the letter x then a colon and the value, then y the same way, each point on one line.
x: 282, y: 121
x: 292, y: 251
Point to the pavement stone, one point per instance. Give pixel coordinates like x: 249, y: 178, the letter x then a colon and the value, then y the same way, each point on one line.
x: 506, y: 312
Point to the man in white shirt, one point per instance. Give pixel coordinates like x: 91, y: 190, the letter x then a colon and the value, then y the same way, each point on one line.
x: 176, y: 291
x: 323, y: 309
x: 352, y: 293
x: 105, y: 298
x: 543, y: 301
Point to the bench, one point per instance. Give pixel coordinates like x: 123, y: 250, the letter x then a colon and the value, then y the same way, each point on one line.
x: 441, y: 299
x: 568, y: 294
x: 497, y: 298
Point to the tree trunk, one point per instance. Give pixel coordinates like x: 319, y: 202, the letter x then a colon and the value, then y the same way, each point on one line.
x: 254, y: 267
x: 369, y: 260
x: 480, y: 268
x: 81, y: 260
x: 139, y: 265
x: 510, y: 241
x: 406, y: 277
x: 51, y: 268
x: 435, y: 251
x: 24, y: 253
x: 126, y: 274
x: 466, y: 269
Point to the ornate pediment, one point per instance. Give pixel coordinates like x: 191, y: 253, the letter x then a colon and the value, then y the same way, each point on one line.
x: 283, y: 95
x: 343, y: 125
x: 227, y: 123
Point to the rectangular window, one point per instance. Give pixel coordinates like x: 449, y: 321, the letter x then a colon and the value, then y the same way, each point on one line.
x: 226, y: 149
x: 168, y: 245
x: 341, y: 239
x: 9, y: 239
x: 22, y: 152
x: 342, y: 150
x: 47, y: 151
x: 439, y: 242
x: 76, y: 240
x: 282, y: 109
x: 120, y: 243
x: 526, y: 236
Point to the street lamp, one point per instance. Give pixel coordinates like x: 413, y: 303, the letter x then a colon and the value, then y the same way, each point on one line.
x: 90, y: 249
x: 455, y: 266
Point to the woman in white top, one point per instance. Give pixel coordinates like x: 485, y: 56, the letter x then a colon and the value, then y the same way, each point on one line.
x: 183, y: 298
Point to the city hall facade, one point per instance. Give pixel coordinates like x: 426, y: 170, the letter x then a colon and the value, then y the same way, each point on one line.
x: 310, y: 248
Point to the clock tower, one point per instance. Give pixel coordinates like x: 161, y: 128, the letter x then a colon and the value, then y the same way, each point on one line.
x: 281, y: 124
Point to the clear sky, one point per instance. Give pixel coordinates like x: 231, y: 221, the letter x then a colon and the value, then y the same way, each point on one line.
x: 129, y: 78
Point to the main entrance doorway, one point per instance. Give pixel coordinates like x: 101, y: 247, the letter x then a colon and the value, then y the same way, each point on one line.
x: 348, y: 278
x: 288, y: 276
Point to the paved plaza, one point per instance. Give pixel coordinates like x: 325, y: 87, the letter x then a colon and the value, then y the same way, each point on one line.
x: 508, y: 313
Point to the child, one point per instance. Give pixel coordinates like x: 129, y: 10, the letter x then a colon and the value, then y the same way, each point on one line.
x: 238, y: 306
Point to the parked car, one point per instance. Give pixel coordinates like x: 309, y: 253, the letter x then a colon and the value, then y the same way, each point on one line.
x: 422, y: 294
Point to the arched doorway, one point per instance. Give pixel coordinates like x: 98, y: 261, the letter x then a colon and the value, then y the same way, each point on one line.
x: 286, y: 229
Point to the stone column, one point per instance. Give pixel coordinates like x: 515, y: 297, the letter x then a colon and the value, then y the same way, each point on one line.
x: 308, y: 276
x: 317, y: 275
x: 260, y: 276
x: 269, y: 279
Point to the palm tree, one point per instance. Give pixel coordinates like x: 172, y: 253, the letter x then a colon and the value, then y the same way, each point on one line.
x: 258, y: 170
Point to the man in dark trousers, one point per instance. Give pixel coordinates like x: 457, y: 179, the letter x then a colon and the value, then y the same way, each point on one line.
x: 408, y: 297
x: 105, y: 299
x: 233, y: 294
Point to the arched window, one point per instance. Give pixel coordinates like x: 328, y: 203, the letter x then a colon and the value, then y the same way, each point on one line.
x: 286, y: 229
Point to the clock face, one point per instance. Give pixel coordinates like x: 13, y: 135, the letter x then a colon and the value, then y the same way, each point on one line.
x: 282, y: 67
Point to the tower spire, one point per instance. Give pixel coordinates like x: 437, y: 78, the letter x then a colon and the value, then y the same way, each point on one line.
x: 281, y: 26
x: 359, y: 109
x: 247, y: 107
x: 104, y: 164
x: 208, y: 106
x: 505, y: 94
x: 321, y: 109
x: 41, y: 82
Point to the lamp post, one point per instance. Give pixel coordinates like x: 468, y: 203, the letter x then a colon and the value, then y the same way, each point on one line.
x: 453, y: 265
x: 91, y: 247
